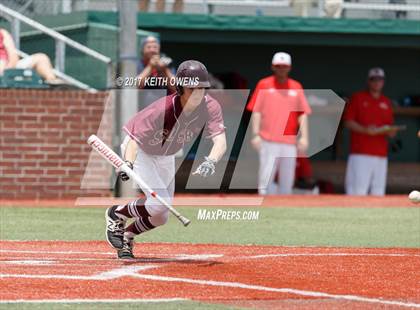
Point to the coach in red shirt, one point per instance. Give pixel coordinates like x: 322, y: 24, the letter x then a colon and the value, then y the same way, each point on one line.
x: 279, y: 110
x: 366, y: 113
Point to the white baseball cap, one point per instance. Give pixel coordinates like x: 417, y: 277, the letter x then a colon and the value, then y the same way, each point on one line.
x: 282, y: 59
x: 376, y: 72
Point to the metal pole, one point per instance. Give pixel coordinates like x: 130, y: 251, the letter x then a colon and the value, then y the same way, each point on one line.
x: 205, y: 7
x: 127, y: 64
x: 85, y: 5
x: 321, y: 8
x: 66, y: 6
x: 109, y: 75
x: 16, y: 32
x: 60, y: 55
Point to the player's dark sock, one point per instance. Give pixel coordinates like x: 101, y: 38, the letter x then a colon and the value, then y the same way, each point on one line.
x: 140, y: 225
x: 134, y: 208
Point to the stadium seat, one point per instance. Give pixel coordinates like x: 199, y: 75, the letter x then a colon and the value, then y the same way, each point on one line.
x: 21, y: 78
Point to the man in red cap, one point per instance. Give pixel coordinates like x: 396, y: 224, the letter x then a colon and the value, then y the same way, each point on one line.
x: 367, y: 112
x: 154, y: 135
x: 280, y: 111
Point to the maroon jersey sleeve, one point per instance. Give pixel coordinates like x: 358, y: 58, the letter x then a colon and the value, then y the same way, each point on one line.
x: 214, y: 124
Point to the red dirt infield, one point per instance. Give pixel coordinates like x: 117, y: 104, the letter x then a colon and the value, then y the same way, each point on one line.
x: 265, y: 277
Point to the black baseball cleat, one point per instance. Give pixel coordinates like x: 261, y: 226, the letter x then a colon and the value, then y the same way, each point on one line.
x: 127, y: 251
x: 115, y: 228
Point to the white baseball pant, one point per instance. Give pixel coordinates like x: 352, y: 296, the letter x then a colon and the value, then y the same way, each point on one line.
x: 158, y: 172
x: 275, y: 157
x: 366, y: 174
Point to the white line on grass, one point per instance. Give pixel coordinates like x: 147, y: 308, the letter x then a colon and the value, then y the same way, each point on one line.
x: 277, y: 290
x: 79, y: 301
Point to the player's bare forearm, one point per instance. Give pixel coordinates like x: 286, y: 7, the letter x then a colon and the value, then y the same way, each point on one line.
x: 355, y: 126
x: 303, y: 125
x: 143, y: 75
x: 303, y: 142
x: 219, y: 147
x: 131, y: 151
x: 256, y: 122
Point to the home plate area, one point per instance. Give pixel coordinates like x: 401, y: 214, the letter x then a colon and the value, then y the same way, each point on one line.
x: 246, y: 276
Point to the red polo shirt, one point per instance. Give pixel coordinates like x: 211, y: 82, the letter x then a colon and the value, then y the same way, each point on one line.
x: 280, y: 105
x: 369, y: 111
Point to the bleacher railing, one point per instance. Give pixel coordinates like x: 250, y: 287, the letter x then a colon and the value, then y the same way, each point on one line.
x: 31, y: 7
x: 369, y: 6
x: 381, y: 6
x: 60, y: 46
x: 374, y: 6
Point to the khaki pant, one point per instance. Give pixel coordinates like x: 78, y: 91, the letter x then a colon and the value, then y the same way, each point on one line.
x: 302, y: 7
x: 333, y: 8
x: 160, y: 6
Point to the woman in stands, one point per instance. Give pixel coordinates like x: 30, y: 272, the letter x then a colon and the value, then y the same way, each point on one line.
x: 39, y: 62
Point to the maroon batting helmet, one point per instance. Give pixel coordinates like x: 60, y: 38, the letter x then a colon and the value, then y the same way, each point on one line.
x: 192, y: 74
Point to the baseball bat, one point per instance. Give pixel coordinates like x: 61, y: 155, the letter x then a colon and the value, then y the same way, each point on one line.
x: 99, y: 146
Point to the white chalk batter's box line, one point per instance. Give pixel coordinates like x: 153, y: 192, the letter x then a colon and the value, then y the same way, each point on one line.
x: 133, y: 271
x: 26, y: 261
x: 93, y: 301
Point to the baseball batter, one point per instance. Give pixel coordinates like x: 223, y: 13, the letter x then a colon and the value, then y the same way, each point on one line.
x: 154, y: 135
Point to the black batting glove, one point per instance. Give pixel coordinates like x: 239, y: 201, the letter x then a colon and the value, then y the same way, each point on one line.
x: 206, y: 168
x: 124, y: 176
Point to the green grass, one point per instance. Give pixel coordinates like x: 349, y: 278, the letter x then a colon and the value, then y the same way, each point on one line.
x: 120, y: 306
x: 352, y: 227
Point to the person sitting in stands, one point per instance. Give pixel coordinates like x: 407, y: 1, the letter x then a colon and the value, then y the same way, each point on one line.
x: 39, y: 62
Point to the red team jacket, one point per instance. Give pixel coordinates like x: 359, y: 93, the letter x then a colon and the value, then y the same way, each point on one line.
x: 368, y: 111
